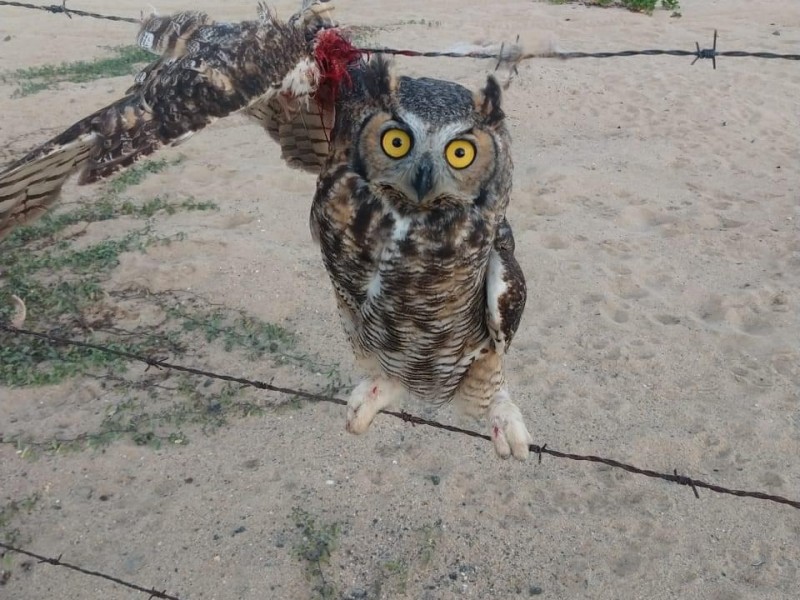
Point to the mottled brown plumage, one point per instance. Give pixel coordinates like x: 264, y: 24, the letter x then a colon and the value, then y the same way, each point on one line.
x: 417, y: 246
x: 205, y: 71
x: 410, y: 203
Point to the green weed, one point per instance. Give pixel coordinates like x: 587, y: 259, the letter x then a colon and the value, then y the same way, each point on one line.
x: 137, y: 173
x: 394, y: 577
x: 643, y: 6
x: 429, y: 537
x: 363, y: 35
x: 315, y: 547
x: 234, y: 330
x: 12, y: 536
x: 10, y: 512
x: 62, y: 290
x: 63, y: 286
x: 35, y: 79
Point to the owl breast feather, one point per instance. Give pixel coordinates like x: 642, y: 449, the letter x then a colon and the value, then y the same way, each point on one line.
x: 422, y: 315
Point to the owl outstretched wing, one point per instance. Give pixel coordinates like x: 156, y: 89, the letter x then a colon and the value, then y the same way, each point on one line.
x: 506, y: 291
x: 266, y: 68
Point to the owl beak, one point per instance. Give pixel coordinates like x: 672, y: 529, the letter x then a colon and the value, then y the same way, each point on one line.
x: 423, y: 177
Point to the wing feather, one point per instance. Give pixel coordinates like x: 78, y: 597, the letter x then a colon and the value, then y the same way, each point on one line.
x: 303, y: 133
x: 506, y: 291
x: 168, y: 35
x: 31, y: 185
x: 206, y: 71
x: 302, y: 124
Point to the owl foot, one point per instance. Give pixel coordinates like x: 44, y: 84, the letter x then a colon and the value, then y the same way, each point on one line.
x: 369, y: 398
x: 509, y: 434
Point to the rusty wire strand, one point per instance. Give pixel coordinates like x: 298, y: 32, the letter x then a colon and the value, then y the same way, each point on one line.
x: 153, y: 593
x: 673, y: 477
x: 698, y: 53
x: 62, y: 9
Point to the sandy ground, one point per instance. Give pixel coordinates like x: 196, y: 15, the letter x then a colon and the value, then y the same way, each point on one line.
x: 656, y: 216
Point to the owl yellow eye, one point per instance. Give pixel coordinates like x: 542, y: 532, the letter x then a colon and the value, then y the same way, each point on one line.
x: 396, y: 143
x: 460, y: 154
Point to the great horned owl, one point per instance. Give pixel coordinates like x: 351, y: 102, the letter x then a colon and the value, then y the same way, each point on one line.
x: 410, y: 216
x: 410, y: 205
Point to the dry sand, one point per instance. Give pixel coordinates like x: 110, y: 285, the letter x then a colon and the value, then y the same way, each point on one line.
x: 656, y: 216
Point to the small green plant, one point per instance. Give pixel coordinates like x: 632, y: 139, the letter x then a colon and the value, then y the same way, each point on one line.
x: 427, y: 23
x: 648, y: 6
x: 316, y: 544
x: 10, y: 512
x: 394, y: 577
x: 12, y: 535
x: 151, y: 423
x: 429, y: 537
x: 62, y: 279
x: 643, y: 6
x: 139, y: 172
x: 234, y: 330
x: 35, y: 79
x: 109, y: 205
x: 159, y: 204
x: 153, y: 411
x: 62, y: 286
x: 363, y: 35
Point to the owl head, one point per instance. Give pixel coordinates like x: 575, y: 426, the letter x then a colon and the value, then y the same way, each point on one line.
x: 426, y: 143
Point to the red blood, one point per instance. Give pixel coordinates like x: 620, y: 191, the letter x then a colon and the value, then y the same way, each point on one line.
x: 334, y: 54
x: 495, y: 431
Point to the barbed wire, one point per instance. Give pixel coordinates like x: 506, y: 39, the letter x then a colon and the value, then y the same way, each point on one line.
x: 62, y: 9
x: 510, y: 58
x: 673, y: 477
x: 152, y: 592
x: 503, y: 58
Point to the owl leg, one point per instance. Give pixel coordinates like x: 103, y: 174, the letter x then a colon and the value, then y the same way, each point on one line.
x: 484, y: 391
x: 509, y: 434
x: 369, y: 398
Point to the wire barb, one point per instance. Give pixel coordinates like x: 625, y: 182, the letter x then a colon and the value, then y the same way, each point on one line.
x: 707, y: 52
x: 404, y: 416
x: 683, y: 480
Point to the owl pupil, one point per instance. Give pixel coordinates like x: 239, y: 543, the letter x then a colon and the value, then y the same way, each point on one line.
x: 397, y: 142
x: 460, y: 153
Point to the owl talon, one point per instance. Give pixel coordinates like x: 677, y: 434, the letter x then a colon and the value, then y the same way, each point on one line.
x: 509, y: 434
x: 369, y: 398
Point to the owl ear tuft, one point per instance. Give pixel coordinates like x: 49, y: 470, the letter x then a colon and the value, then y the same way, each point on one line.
x: 379, y: 79
x: 488, y: 101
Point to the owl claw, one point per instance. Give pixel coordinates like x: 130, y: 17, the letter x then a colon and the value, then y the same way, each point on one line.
x: 509, y: 434
x: 369, y: 398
